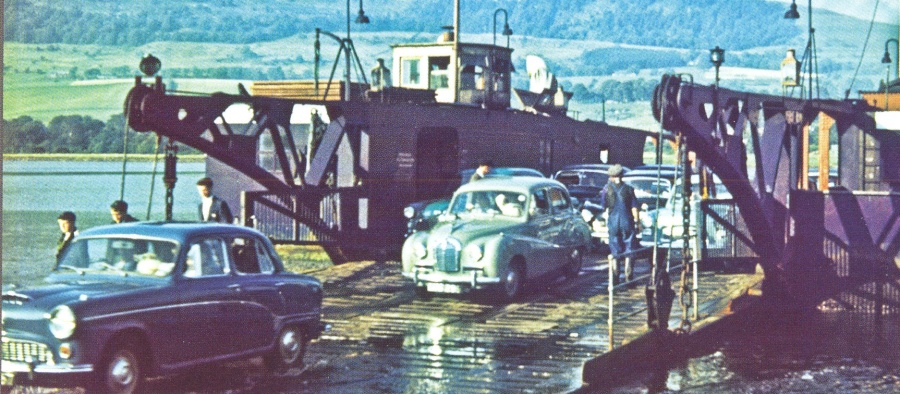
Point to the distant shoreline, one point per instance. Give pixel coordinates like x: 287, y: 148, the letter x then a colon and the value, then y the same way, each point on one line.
x: 138, y: 157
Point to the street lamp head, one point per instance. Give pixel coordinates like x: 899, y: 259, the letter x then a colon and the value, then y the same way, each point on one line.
x: 887, y: 55
x: 506, y: 30
x: 792, y: 12
x: 150, y: 65
x: 362, y: 18
x: 717, y: 56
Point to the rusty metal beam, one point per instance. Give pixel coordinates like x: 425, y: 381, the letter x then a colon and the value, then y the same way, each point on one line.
x: 685, y: 107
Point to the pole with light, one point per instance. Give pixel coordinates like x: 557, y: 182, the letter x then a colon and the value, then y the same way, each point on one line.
x: 792, y: 13
x: 716, y: 57
x: 506, y: 30
x: 887, y: 61
x: 361, y: 18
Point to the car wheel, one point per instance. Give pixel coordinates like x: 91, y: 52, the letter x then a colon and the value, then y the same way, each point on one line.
x: 290, y: 347
x: 573, y: 267
x: 514, y: 281
x: 120, y: 370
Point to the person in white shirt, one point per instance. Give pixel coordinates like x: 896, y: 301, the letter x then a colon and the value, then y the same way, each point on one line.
x: 211, y: 208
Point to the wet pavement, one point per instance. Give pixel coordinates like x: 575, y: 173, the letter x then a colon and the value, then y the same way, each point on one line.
x: 385, y: 338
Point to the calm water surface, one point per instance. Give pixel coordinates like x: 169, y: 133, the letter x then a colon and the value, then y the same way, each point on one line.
x: 35, y: 192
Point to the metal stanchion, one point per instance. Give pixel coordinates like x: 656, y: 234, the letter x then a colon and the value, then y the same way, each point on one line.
x: 610, y: 289
x: 695, y: 289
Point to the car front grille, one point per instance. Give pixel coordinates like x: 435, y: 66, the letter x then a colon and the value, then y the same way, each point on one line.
x: 26, y: 351
x: 447, y: 256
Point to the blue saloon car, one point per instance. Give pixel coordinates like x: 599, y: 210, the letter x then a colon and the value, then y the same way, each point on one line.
x: 130, y: 301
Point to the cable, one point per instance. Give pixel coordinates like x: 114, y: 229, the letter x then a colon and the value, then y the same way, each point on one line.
x: 865, y: 44
x: 153, y: 176
x: 124, y: 157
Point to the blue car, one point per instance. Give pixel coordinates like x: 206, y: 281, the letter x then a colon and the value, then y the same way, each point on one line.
x: 131, y: 301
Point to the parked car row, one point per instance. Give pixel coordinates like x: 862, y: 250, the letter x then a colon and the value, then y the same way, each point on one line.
x: 131, y: 301
x: 670, y: 220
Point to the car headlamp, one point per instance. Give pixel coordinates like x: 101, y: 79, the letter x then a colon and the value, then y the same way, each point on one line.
x: 420, y: 251
x: 473, y: 253
x: 61, y: 322
x: 409, y: 212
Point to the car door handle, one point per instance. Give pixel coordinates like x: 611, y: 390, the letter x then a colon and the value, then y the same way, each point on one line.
x: 235, y: 287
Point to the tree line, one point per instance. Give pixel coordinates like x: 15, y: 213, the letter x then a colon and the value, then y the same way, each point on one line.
x: 611, y: 90
x: 75, y: 134
x: 664, y: 23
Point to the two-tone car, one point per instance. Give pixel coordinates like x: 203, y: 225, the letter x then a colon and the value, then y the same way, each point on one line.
x: 498, y: 232
x: 130, y: 301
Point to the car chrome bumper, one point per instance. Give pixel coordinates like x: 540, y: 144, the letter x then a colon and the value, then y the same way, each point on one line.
x: 469, y: 277
x: 23, y: 367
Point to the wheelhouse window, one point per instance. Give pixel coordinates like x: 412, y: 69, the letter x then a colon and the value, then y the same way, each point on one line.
x: 410, y: 74
x: 438, y: 78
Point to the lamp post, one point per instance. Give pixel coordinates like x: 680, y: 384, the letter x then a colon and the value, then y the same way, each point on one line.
x: 887, y: 61
x: 361, y: 18
x: 506, y: 30
x: 792, y: 13
x: 717, y: 57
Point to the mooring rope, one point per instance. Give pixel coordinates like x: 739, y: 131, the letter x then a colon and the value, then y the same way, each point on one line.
x: 124, y: 156
x: 153, y: 176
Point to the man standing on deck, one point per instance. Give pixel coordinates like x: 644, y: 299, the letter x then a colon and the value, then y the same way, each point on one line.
x: 621, y: 204
x: 211, y: 208
x: 66, y: 222
x: 119, y: 212
x: 484, y: 167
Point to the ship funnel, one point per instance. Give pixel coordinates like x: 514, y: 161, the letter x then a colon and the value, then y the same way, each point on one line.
x: 446, y: 35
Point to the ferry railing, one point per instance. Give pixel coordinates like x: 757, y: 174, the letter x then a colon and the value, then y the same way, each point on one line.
x: 306, y: 217
x: 722, y: 242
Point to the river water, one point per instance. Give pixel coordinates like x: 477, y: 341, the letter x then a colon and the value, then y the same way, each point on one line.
x: 797, y: 352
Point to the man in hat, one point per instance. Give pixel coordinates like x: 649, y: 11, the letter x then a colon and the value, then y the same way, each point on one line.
x: 622, y: 211
x: 119, y: 212
x: 66, y: 222
x: 211, y: 208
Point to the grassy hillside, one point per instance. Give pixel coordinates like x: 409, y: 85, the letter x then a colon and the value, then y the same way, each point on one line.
x: 47, y: 80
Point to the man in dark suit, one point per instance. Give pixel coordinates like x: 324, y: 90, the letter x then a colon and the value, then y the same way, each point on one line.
x: 67, y: 227
x: 119, y: 212
x: 212, y: 208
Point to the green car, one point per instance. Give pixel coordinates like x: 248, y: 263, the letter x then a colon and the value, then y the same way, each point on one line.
x: 501, y: 231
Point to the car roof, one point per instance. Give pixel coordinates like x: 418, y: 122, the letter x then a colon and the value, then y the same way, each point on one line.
x: 522, y: 184
x: 670, y: 167
x: 663, y: 173
x: 590, y: 166
x: 510, y: 171
x: 180, y: 231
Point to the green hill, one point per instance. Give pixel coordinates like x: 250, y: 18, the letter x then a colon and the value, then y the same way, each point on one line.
x: 79, y: 58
